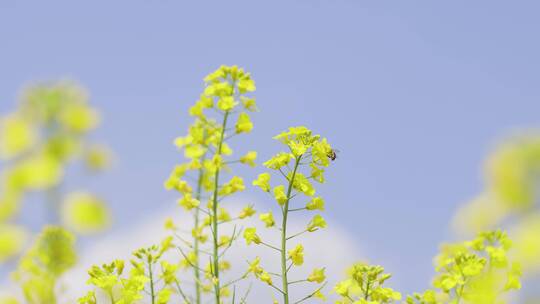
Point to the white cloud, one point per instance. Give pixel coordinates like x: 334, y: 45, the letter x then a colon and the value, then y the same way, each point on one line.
x: 333, y: 248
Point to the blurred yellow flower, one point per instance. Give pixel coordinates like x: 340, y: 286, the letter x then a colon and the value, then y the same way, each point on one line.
x: 9, y: 204
x: 512, y: 170
x: 526, y: 243
x: 98, y: 157
x: 482, y: 213
x: 85, y: 213
x: 79, y: 118
x: 12, y: 240
x: 16, y: 136
x: 36, y: 173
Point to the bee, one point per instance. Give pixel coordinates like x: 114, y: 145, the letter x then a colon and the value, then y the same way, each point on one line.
x: 332, y: 154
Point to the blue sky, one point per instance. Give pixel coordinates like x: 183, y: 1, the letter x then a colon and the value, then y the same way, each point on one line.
x: 413, y: 94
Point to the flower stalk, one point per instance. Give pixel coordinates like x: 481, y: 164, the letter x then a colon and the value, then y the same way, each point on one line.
x: 304, y: 149
x: 196, y: 268
x: 284, y: 270
x: 206, y: 147
x: 215, y: 224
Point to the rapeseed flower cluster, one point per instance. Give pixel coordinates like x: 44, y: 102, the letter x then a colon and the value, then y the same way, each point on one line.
x: 149, y: 275
x: 303, y: 163
x: 365, y: 286
x: 480, y: 271
x: 209, y: 155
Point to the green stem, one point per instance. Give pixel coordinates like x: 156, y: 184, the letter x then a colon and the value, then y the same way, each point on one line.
x: 196, y: 242
x: 182, y: 293
x: 151, y: 275
x: 214, y: 214
x: 111, y: 297
x: 284, y: 270
x: 54, y: 195
x: 54, y: 203
x: 366, y: 296
x: 458, y: 294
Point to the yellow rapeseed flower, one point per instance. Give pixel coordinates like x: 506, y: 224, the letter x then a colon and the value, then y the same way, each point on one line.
x: 297, y: 255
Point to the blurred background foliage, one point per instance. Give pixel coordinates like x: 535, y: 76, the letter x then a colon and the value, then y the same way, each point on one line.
x: 40, y: 140
x: 510, y: 199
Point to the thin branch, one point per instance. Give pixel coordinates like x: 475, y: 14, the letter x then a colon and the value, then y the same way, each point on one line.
x: 233, y: 238
x: 243, y: 300
x: 276, y: 288
x: 237, y: 280
x: 188, y: 301
x: 230, y: 136
x: 289, y: 268
x: 189, y: 262
x: 186, y: 242
x: 270, y: 246
x: 283, y: 173
x: 203, y: 211
x: 297, y: 234
x: 312, y: 294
